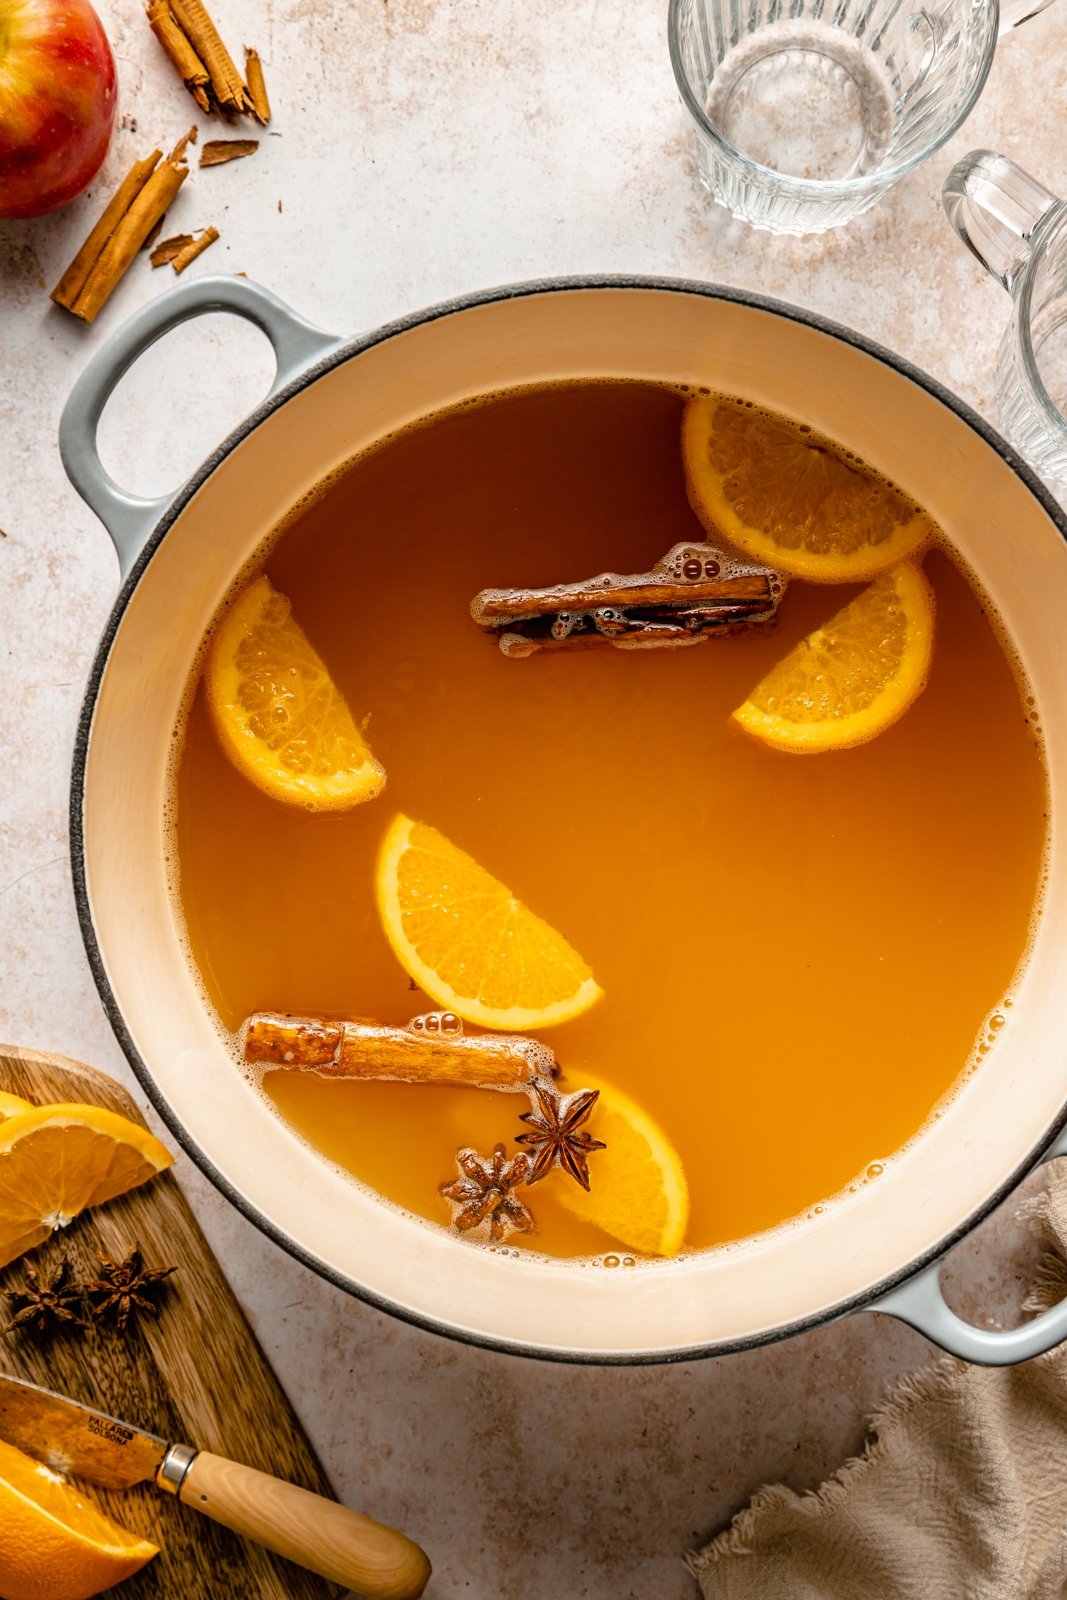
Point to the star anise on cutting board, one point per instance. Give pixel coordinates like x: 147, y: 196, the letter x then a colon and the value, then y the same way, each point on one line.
x: 484, y: 1192
x: 125, y: 1288
x: 44, y: 1303
x: 556, y: 1134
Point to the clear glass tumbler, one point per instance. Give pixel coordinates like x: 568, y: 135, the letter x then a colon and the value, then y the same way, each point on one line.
x: 804, y: 112
x: 1018, y: 231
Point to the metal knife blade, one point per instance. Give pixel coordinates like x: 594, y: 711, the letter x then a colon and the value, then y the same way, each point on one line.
x: 72, y: 1438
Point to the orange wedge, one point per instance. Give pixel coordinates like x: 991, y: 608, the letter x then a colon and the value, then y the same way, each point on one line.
x: 467, y: 941
x: 637, y: 1188
x: 56, y: 1161
x: 11, y: 1105
x: 790, y: 498
x: 54, y: 1545
x: 853, y: 677
x: 277, y: 712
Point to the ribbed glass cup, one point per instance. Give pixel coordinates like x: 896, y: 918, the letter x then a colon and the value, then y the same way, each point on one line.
x: 804, y: 112
x: 1018, y: 231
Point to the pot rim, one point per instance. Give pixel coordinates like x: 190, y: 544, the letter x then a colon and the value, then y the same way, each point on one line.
x: 862, y: 1300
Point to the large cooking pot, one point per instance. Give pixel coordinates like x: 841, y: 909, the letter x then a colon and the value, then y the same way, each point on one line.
x: 877, y: 1249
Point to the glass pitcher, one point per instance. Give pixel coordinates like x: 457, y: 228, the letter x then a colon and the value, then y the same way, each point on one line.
x: 804, y: 112
x: 1018, y: 231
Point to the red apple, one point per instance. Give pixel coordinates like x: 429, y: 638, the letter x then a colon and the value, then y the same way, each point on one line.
x: 57, y: 102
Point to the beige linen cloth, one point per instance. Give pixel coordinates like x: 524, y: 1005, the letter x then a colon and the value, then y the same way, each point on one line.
x: 960, y: 1494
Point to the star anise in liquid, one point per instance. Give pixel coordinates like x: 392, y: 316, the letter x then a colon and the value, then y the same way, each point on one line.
x: 484, y: 1192
x: 557, y: 1138
x: 124, y: 1288
x: 45, y: 1303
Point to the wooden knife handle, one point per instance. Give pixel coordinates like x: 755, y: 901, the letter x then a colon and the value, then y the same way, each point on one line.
x: 319, y: 1534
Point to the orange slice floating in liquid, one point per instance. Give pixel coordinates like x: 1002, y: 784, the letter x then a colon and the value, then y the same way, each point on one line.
x: 637, y: 1188
x: 783, y: 494
x: 468, y: 942
x: 853, y: 677
x: 277, y: 712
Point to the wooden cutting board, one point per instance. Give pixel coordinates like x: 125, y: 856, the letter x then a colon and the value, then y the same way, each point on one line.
x: 196, y: 1375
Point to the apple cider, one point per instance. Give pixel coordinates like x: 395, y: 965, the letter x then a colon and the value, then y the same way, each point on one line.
x: 799, y: 955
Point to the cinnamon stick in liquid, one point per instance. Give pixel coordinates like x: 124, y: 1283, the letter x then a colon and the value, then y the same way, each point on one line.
x: 494, y: 606
x: 372, y: 1050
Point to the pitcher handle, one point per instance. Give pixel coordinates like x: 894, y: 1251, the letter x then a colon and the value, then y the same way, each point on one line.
x: 996, y: 208
x: 1013, y: 12
x: 130, y: 518
x: 920, y: 1303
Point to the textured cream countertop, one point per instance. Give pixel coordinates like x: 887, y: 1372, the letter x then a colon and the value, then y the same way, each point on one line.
x: 420, y: 149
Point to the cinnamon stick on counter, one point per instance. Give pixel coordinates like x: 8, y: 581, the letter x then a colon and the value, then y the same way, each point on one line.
x: 227, y: 85
x: 256, y: 85
x: 431, y: 1049
x: 190, y: 68
x: 133, y: 211
x: 195, y: 48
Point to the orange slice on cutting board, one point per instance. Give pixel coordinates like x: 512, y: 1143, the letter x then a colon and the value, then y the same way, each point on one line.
x: 468, y: 942
x: 58, y: 1160
x: 279, y: 715
x: 55, y: 1545
x: 853, y: 677
x: 790, y: 498
x: 637, y: 1187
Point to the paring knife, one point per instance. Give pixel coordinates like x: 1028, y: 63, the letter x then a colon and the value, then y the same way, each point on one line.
x: 316, y: 1533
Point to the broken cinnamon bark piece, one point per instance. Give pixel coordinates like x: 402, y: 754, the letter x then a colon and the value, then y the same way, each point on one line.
x: 195, y: 247
x: 218, y: 151
x: 167, y: 249
x: 432, y: 1048
x: 693, y: 593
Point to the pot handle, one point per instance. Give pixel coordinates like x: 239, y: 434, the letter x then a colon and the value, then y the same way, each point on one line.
x: 920, y: 1303
x: 130, y: 518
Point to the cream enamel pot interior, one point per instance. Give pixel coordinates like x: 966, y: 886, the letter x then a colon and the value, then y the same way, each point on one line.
x: 877, y: 1249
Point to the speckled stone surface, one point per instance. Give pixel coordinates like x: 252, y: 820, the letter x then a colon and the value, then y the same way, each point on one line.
x: 420, y: 149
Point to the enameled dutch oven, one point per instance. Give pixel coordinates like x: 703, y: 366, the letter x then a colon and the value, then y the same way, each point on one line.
x: 877, y: 1249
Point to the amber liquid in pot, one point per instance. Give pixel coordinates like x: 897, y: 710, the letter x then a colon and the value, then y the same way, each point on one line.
x: 800, y: 955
